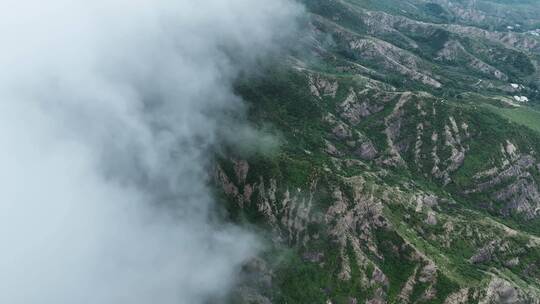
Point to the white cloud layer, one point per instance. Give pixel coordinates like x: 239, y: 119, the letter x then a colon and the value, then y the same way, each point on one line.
x: 109, y: 110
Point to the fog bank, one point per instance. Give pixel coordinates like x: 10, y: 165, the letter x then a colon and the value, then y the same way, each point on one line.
x: 109, y: 113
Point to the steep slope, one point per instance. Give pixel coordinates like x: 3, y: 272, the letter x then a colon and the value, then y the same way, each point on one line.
x: 403, y: 174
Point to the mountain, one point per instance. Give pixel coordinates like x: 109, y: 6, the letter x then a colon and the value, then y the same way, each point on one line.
x: 408, y: 166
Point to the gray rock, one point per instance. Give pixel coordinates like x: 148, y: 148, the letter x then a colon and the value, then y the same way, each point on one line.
x: 367, y: 151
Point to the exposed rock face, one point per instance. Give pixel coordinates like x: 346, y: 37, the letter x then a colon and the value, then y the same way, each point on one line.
x: 460, y: 297
x: 322, y: 87
x: 380, y: 22
x: 442, y: 151
x: 431, y: 219
x: 389, y: 42
x: 428, y: 273
x: 430, y: 141
x: 393, y: 127
x: 502, y: 292
x: 407, y: 290
x: 453, y: 50
x: 228, y: 186
x: 484, y: 254
x: 352, y: 221
x: 331, y: 149
x: 241, y: 169
x: 513, y: 40
x: 367, y: 151
x: 519, y: 190
x: 522, y: 197
x: 342, y: 131
x: 354, y: 108
x: 394, y: 59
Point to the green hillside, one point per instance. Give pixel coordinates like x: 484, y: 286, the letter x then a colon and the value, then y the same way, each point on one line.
x: 407, y: 171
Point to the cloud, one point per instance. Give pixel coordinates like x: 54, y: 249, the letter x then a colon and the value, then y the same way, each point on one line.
x: 109, y: 113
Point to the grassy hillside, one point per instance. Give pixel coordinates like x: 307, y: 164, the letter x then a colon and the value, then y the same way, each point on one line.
x: 523, y: 115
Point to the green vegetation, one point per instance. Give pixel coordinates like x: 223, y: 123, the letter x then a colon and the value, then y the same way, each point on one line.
x: 523, y: 115
x: 379, y: 173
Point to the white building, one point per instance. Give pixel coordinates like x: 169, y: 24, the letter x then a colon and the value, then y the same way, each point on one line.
x: 521, y: 98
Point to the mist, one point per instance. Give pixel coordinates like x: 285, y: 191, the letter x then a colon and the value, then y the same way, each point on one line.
x: 110, y: 111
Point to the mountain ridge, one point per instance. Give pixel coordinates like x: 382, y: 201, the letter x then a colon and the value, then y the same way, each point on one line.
x: 406, y: 172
